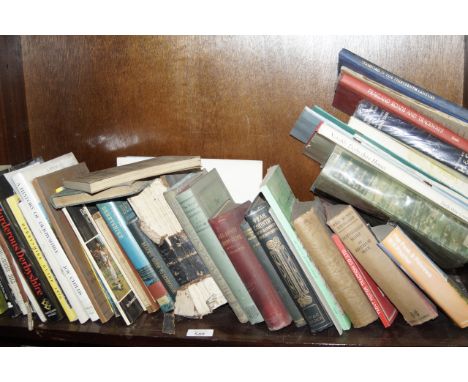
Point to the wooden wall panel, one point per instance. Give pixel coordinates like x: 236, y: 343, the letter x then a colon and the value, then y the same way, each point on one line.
x: 229, y: 97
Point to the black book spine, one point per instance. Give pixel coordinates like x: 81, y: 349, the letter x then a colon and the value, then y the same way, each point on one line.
x: 28, y: 265
x: 412, y: 136
x: 185, y: 250
x: 287, y: 267
x: 8, y: 295
x: 155, y: 258
x: 181, y: 271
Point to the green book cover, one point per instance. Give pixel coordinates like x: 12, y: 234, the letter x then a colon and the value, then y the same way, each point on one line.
x: 440, y: 233
x: 281, y: 199
x: 200, y: 202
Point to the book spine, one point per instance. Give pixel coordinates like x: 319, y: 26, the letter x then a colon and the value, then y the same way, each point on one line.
x: 4, y: 305
x: 251, y: 272
x: 155, y: 257
x: 412, y: 136
x: 430, y: 167
x: 53, y: 251
x: 354, y: 181
x: 362, y: 90
x: 170, y: 197
x: 28, y: 266
x: 262, y: 257
x: 14, y: 203
x: 117, y: 224
x: 115, y: 283
x: 187, y: 256
x: 289, y: 270
x: 428, y: 276
x: 199, y: 221
x: 16, y: 297
x: 382, y: 306
x: 356, y: 236
x: 179, y: 269
x: 421, y: 186
x: 376, y: 73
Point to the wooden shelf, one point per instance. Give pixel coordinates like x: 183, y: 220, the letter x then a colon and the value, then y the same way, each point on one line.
x: 227, y: 332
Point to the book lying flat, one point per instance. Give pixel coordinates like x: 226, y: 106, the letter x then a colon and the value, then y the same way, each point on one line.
x: 100, y: 180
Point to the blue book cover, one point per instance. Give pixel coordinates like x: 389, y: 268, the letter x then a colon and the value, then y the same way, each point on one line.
x: 376, y: 73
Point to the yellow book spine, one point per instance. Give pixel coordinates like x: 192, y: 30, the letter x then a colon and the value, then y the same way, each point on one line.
x: 13, y: 202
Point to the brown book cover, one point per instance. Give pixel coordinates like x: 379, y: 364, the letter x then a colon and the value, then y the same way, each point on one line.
x: 358, y: 238
x: 46, y: 186
x: 310, y: 225
x: 226, y: 225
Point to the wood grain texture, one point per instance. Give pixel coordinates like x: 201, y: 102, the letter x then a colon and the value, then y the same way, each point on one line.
x: 214, y: 96
x: 15, y: 146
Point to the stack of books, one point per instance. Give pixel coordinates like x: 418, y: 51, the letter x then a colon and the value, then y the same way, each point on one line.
x: 185, y: 235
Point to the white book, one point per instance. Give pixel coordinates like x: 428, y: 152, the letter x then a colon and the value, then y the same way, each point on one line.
x: 443, y: 174
x: 12, y: 283
x: 409, y: 177
x: 241, y: 177
x: 48, y: 242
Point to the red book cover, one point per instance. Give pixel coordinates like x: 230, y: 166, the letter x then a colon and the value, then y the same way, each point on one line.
x: 226, y: 226
x: 382, y: 305
x: 350, y: 91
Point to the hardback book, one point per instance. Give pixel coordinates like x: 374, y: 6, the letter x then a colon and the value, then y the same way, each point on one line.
x: 381, y: 304
x: 412, y: 136
x: 299, y: 287
x: 353, y: 181
x: 310, y: 224
x: 45, y: 186
x: 433, y: 169
x: 28, y: 266
x: 117, y: 215
x: 135, y: 281
x: 100, y: 180
x: 428, y: 276
x: 49, y: 244
x: 269, y: 268
x: 279, y: 195
x: 14, y: 204
x: 171, y: 197
x: 8, y: 298
x: 226, y: 225
x: 350, y: 91
x: 68, y: 197
x: 358, y: 238
x: 160, y: 224
x: 3, y: 301
x: 456, y: 125
x: 201, y: 201
x: 105, y: 264
x: 379, y: 159
x: 376, y: 73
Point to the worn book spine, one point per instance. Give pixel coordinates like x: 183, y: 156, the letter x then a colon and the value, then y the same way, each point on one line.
x: 376, y: 73
x: 109, y: 271
x: 278, y: 283
x: 353, y: 181
x: 412, y: 136
x: 13, y: 203
x: 316, y: 237
x: 171, y: 199
x: 411, y: 303
x: 288, y: 268
x: 428, y: 276
x: 15, y: 296
x: 199, y: 221
x: 28, y: 266
x: 75, y: 253
x: 112, y: 213
x: 227, y: 228
x: 53, y: 251
x: 135, y: 281
x: 437, y: 193
x: 155, y: 257
x: 381, y: 304
x: 351, y: 90
x: 4, y: 305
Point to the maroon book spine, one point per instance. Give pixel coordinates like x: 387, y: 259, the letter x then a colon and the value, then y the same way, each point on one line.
x: 227, y: 228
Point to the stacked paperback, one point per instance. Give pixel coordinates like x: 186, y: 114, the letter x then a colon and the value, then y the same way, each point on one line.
x: 187, y: 235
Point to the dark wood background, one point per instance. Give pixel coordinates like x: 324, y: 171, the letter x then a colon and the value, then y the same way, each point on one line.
x: 214, y: 96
